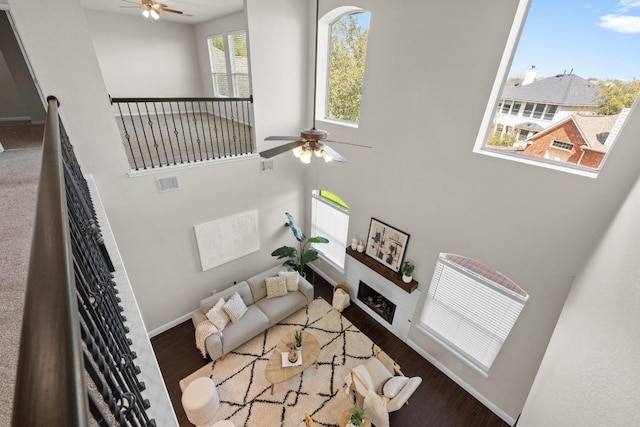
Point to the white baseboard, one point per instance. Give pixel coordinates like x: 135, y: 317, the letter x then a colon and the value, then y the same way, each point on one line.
x: 15, y: 119
x: 492, y: 407
x: 167, y: 326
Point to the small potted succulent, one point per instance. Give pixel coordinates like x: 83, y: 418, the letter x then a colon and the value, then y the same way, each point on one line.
x: 357, y: 417
x: 297, y: 335
x: 407, y: 271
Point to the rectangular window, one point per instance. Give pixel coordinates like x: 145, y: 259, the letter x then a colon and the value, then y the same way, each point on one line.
x: 516, y: 108
x: 330, y: 220
x: 528, y: 109
x: 537, y: 113
x: 229, y: 64
x: 562, y: 145
x: 550, y: 112
x: 506, y: 107
x: 470, y: 309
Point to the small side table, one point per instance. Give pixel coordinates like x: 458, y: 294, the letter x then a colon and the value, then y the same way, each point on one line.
x: 346, y: 416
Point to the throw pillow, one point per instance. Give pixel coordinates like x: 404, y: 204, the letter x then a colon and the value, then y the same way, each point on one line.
x: 218, y: 316
x: 291, y: 278
x: 392, y: 386
x: 276, y: 286
x: 235, y: 307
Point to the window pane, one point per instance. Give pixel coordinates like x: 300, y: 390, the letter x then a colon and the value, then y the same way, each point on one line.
x: 218, y: 58
x: 346, y: 66
x: 528, y: 109
x: 239, y: 43
x: 242, y: 85
x: 506, y: 107
x: 551, y: 111
x: 221, y: 85
x: 332, y: 222
x: 537, y: 113
x: 516, y: 108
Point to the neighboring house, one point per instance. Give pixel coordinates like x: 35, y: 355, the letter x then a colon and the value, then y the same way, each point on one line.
x: 531, y: 106
x: 578, y: 139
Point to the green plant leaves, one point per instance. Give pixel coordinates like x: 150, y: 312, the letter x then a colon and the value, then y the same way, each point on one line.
x: 297, y: 233
x: 285, y: 252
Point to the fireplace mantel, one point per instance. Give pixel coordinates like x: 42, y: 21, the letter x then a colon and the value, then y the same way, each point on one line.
x: 385, y: 272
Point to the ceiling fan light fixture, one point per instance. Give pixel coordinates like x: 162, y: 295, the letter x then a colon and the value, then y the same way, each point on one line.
x: 298, y: 151
x: 145, y: 13
x: 326, y: 156
x: 318, y: 152
x: 305, y: 157
x: 154, y: 14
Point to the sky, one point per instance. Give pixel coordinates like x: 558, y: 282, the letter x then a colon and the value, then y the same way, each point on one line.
x: 594, y: 38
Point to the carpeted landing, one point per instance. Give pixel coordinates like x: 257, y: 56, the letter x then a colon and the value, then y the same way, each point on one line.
x: 245, y: 395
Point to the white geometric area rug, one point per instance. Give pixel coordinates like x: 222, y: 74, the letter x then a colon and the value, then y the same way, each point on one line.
x: 245, y: 395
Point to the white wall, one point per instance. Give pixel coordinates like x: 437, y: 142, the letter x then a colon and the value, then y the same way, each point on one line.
x: 155, y: 231
x: 11, y: 105
x: 590, y: 373
x: 144, y: 58
x: 438, y: 60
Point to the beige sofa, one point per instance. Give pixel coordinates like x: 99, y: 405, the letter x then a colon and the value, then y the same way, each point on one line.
x: 262, y: 312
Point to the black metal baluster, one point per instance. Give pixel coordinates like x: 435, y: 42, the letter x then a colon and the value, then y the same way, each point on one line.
x: 135, y: 132
x: 195, y: 127
x: 164, y: 148
x: 127, y: 137
x: 175, y: 132
x: 213, y: 150
x: 144, y: 133
x: 166, y: 125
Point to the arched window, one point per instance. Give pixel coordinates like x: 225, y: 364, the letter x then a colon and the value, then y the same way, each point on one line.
x: 470, y: 309
x: 342, y: 50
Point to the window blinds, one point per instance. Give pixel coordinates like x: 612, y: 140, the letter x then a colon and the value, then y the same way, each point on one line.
x: 330, y: 221
x: 469, y: 313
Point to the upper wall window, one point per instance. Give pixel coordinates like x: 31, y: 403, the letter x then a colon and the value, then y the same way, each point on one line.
x: 573, y: 70
x: 330, y: 219
x: 342, y: 50
x: 229, y: 64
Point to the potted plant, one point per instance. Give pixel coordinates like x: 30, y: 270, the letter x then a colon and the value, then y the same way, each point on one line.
x: 407, y: 271
x: 300, y: 256
x: 297, y: 335
x: 357, y: 417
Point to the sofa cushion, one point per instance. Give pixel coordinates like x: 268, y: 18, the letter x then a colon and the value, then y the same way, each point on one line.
x: 276, y: 286
x: 241, y: 288
x: 257, y: 284
x: 218, y: 316
x: 251, y: 324
x: 235, y: 308
x: 208, y: 303
x: 277, y: 309
x: 291, y: 278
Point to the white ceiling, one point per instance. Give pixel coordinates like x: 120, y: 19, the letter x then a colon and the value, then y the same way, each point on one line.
x: 201, y: 10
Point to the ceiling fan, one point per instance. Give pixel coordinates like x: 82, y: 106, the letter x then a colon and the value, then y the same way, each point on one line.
x: 151, y: 9
x: 311, y: 141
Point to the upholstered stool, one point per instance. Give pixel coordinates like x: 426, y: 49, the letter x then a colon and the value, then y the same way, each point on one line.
x: 200, y: 400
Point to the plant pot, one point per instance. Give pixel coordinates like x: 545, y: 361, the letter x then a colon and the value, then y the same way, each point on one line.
x: 407, y: 279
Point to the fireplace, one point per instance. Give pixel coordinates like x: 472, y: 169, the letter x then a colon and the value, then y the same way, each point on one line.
x: 376, y: 302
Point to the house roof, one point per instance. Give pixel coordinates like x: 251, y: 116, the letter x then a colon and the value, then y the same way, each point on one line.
x: 593, y: 129
x: 563, y: 89
x: 529, y: 126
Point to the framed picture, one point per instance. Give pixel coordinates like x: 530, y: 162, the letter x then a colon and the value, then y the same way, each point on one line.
x: 386, y: 244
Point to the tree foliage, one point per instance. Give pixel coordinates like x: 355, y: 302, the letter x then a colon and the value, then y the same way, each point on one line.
x: 346, y: 68
x: 614, y: 95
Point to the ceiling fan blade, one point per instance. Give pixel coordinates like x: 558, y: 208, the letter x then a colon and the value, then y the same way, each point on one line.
x: 166, y: 9
x: 333, y: 153
x: 282, y: 138
x: 348, y: 143
x: 281, y: 149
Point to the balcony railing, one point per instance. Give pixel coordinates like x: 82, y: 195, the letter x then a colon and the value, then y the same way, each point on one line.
x: 160, y: 132
x: 75, y: 358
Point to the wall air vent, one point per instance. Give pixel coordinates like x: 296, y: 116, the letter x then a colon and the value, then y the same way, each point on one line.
x: 168, y: 183
x: 266, y: 165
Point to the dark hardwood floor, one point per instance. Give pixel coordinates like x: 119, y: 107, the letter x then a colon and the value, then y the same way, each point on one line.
x: 438, y: 402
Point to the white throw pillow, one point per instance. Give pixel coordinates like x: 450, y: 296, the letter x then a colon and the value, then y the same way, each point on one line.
x: 393, y: 385
x: 218, y: 316
x: 276, y: 286
x: 291, y: 278
x: 235, y: 307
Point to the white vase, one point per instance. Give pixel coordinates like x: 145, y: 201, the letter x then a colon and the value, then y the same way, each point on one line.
x: 360, y: 247
x: 406, y: 279
x: 354, y: 244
